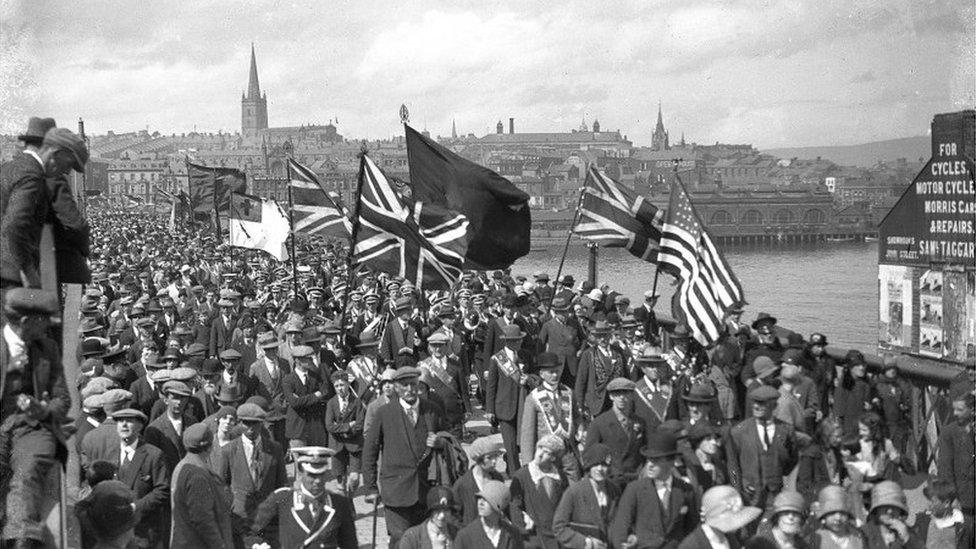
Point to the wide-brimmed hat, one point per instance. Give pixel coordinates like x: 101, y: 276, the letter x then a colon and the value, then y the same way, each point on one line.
x: 561, y: 304
x: 496, y: 493
x: 650, y: 356
x: 763, y: 318
x: 700, y: 393
x: 722, y: 509
x: 36, y: 129
x: 267, y: 340
x: 659, y: 445
x: 512, y: 331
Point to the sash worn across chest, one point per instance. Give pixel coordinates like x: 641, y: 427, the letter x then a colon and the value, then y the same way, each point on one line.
x: 657, y: 401
x: 557, y: 411
x: 440, y: 372
x: 508, y: 367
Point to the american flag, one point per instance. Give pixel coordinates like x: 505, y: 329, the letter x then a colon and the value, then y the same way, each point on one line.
x: 315, y: 211
x: 708, y: 285
x: 424, y: 243
x: 617, y: 216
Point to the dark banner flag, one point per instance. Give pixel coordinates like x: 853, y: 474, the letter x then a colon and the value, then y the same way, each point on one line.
x: 497, y: 211
x: 206, y: 183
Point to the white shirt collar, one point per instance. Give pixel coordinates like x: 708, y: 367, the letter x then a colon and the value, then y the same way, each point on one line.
x: 537, y: 474
x: 415, y: 406
x: 36, y: 157
x: 129, y: 449
x: 716, y: 539
x: 494, y: 534
x: 177, y: 424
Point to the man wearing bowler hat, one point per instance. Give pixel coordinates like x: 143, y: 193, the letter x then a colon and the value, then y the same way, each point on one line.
x: 34, y: 402
x: 405, y: 432
x: 305, y: 514
x: 657, y: 510
x: 26, y: 197
x: 506, y: 385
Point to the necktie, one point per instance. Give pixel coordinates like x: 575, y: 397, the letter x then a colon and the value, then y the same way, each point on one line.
x: 126, y: 459
x: 549, y: 485
x: 765, y: 436
x: 412, y: 414
x: 665, y: 498
x: 255, y: 464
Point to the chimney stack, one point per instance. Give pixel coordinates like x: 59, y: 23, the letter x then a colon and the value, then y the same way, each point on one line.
x: 511, y: 125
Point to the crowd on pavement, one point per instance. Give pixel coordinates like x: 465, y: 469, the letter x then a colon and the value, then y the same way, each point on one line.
x: 221, y: 390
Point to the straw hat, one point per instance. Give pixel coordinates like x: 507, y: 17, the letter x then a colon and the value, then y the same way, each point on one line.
x: 722, y: 509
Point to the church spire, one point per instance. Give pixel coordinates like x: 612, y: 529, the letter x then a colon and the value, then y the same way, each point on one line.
x: 660, y: 120
x: 453, y: 129
x: 253, y: 88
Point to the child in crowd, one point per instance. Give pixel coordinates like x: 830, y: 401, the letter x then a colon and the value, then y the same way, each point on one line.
x: 943, y: 524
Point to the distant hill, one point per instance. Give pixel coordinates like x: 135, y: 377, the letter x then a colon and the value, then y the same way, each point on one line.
x: 864, y: 155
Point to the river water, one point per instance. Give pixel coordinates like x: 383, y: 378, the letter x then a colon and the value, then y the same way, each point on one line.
x: 826, y: 287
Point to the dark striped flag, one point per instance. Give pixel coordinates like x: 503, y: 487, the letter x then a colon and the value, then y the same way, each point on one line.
x: 617, y: 216
x: 315, y: 211
x: 424, y: 243
x: 708, y: 285
x: 208, y: 184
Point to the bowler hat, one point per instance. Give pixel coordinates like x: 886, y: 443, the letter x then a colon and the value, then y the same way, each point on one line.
x: 36, y: 129
x: 91, y: 347
x: 512, y: 331
x: 110, y: 509
x: 763, y: 318
x: 548, y: 360
x: 699, y: 393
x: 567, y: 280
x: 210, y: 367
x: 659, y: 445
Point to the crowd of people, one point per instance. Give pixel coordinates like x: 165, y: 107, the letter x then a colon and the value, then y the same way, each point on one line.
x: 229, y: 400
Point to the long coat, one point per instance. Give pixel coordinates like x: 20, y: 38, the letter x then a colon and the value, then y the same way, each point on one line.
x: 72, y: 235
x: 25, y: 199
x: 595, y: 372
x: 625, y: 445
x: 451, y: 386
x: 578, y: 510
x: 282, y: 511
x: 305, y: 418
x: 201, y: 508
x: 504, y: 394
x: 640, y: 512
x: 402, y: 477
x: 249, y: 492
x: 532, y: 499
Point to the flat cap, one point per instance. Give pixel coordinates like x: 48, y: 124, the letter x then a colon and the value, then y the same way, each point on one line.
x: 92, y: 401
x: 116, y: 396
x: 64, y: 138
x: 174, y: 387
x: 302, y: 351
x: 183, y: 373
x: 485, y: 446
x: 129, y: 413
x: 230, y: 354
x: 251, y: 412
x: 197, y: 438
x: 620, y: 384
x: 26, y: 301
x: 97, y: 386
x: 406, y: 373
x: 438, y: 338
x: 764, y: 393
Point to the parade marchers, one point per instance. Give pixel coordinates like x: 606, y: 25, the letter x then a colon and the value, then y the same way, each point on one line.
x: 204, y: 374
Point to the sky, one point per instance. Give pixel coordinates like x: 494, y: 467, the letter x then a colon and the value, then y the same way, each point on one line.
x: 773, y: 73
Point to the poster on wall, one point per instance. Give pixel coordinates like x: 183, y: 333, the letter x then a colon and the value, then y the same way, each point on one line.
x: 895, y: 306
x: 958, y: 304
x: 931, y: 340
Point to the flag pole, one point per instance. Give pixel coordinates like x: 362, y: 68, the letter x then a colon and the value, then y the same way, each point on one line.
x: 657, y: 271
x: 213, y: 179
x: 291, y: 229
x: 353, y: 234
x: 572, y: 229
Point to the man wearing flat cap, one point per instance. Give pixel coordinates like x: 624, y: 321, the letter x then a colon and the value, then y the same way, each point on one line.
x: 307, y: 395
x: 305, y: 514
x: 142, y: 468
x: 622, y: 430
x: 34, y: 402
x: 166, y: 431
x: 26, y: 198
x: 448, y: 383
x: 400, y: 332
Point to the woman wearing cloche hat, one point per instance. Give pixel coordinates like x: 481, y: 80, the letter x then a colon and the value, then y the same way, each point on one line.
x: 837, y: 528
x: 784, y: 527
x: 886, y: 522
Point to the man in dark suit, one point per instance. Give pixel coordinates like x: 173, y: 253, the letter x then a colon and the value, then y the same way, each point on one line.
x: 598, y: 365
x: 72, y: 234
x: 306, y: 395
x: 222, y: 327
x: 494, y: 341
x: 26, y: 198
x: 505, y: 390
x: 655, y: 400
x: 143, y: 469
x: 583, y: 516
x: 448, y: 383
x: 400, y: 333
x: 270, y: 371
x: 957, y: 458
x: 560, y: 336
x: 201, y: 511
x: 405, y: 431
x: 252, y: 465
x: 659, y: 509
x: 34, y: 402
x: 645, y: 315
x: 166, y: 431
x: 761, y: 450
x: 622, y: 431
x: 344, y: 418
x: 233, y: 378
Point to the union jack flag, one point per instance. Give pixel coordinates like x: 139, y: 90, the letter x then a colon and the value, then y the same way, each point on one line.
x: 315, y: 211
x: 616, y: 216
x: 424, y: 243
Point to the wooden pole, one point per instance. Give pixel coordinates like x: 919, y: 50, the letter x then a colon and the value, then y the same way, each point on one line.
x: 562, y: 260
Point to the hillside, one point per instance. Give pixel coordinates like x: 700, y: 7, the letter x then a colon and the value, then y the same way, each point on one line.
x: 864, y: 155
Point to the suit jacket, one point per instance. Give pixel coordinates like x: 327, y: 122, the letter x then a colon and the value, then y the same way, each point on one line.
x: 697, y: 540
x: 473, y: 536
x: 564, y: 340
x: 648, y: 321
x: 655, y: 407
x: 640, y: 512
x: 578, y: 510
x: 452, y: 389
x: 26, y: 200
x: 160, y: 433
x: 402, y: 477
x: 72, y: 235
x: 753, y: 470
x: 220, y: 334
x: 249, y: 492
x: 148, y: 477
x: 395, y: 338
x: 343, y: 433
x: 97, y: 444
x: 531, y: 498
x: 957, y: 463
x: 47, y: 378
x: 416, y: 537
x: 143, y: 396
x: 591, y: 386
x: 291, y: 518
x: 271, y: 387
x: 625, y: 445
x: 201, y: 508
x: 305, y: 418
x: 503, y: 394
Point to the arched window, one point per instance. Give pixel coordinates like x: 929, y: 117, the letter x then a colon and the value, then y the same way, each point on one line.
x: 752, y: 217
x: 721, y: 217
x: 814, y: 216
x: 783, y: 216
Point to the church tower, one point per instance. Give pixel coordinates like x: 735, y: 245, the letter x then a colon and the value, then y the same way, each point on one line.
x: 254, y: 106
x: 659, y: 140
